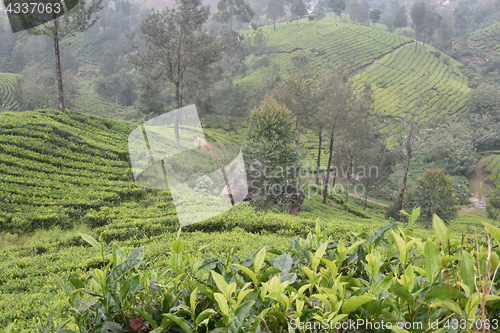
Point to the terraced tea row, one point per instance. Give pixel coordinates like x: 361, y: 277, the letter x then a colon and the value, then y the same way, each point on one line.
x: 487, y: 39
x: 492, y: 166
x: 7, y: 98
x: 57, y: 166
x: 332, y: 43
x: 394, y: 81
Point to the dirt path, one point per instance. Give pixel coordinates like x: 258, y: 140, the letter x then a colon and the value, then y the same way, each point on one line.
x: 369, y: 200
x: 479, y: 187
x: 477, y: 181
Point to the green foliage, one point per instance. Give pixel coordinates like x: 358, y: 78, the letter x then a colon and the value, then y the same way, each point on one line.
x: 232, y: 102
x: 493, y: 206
x: 434, y: 194
x: 117, y: 87
x: 338, y: 6
x: 388, y: 275
x: 275, y: 10
x: 35, y: 88
x: 451, y: 148
x: 375, y: 15
x: 492, y: 166
x: 298, y: 9
x: 272, y: 152
x: 484, y: 100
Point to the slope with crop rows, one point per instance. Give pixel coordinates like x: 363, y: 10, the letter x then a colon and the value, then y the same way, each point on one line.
x: 492, y: 166
x: 7, y: 99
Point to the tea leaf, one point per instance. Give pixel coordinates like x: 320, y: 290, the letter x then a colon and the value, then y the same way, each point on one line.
x: 432, y: 260
x: 355, y: 302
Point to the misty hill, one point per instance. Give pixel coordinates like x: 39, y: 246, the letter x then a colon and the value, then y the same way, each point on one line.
x: 486, y: 40
x: 389, y: 61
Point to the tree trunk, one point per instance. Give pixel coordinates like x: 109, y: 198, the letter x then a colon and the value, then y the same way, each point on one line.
x: 58, y: 65
x: 327, y: 178
x: 366, y: 199
x: 148, y: 102
x: 274, y: 24
x: 297, y: 129
x: 180, y: 111
x: 319, y: 159
x: 405, y: 177
x: 348, y: 181
x: 177, y: 113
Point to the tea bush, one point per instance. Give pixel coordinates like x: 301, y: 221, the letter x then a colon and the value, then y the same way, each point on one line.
x: 317, y: 284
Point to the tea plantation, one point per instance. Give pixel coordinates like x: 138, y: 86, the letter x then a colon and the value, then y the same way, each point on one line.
x: 7, y: 99
x: 65, y: 173
x: 487, y: 39
x: 333, y: 42
x: 492, y: 166
x: 57, y: 167
x: 64, y: 169
x: 394, y: 84
x: 386, y: 60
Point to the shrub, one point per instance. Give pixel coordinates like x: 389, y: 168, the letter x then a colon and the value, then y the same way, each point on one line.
x: 272, y: 155
x: 434, y: 194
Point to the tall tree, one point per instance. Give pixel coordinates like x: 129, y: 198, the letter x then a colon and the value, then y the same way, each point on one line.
x: 432, y: 22
x: 375, y: 16
x: 336, y: 88
x: 352, y: 145
x: 298, y: 9
x: 445, y: 35
x: 176, y: 41
x: 363, y: 11
x: 151, y: 93
x: 338, y: 7
x: 297, y: 94
x: 233, y: 50
x: 319, y: 10
x: 231, y: 101
x: 275, y: 10
x: 79, y: 19
x: 353, y: 10
x: 230, y: 9
x: 418, y: 12
x: 416, y: 116
x: 400, y: 18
